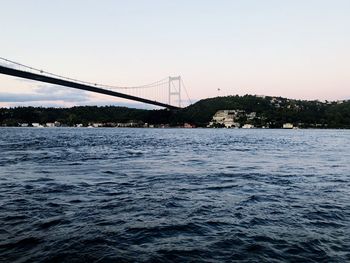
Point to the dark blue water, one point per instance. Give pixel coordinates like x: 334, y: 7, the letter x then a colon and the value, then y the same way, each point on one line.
x: 173, y: 195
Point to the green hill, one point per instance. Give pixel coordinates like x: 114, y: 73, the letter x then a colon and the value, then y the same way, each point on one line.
x: 270, y: 111
x: 273, y: 110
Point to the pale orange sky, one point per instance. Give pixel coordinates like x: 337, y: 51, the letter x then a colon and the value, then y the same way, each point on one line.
x: 295, y: 49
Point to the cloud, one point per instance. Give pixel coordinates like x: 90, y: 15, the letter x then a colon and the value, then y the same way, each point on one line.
x: 46, y: 93
x: 57, y: 96
x: 63, y: 104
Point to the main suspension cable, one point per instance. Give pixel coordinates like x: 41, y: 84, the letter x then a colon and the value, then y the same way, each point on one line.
x: 150, y: 85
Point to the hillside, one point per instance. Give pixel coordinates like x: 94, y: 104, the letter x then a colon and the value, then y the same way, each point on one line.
x: 270, y: 111
x: 274, y: 110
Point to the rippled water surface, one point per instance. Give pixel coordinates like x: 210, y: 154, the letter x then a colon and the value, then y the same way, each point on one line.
x: 173, y: 195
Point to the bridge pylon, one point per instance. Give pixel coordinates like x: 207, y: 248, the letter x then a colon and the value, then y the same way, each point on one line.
x: 175, y: 91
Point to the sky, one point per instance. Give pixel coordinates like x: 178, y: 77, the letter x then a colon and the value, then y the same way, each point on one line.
x: 291, y: 48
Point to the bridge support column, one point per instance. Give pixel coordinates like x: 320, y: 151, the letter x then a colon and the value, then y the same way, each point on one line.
x: 175, y: 91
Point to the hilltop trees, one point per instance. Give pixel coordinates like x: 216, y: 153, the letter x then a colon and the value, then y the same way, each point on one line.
x: 270, y: 112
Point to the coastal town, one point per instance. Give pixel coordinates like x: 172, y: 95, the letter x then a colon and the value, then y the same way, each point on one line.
x: 231, y: 112
x: 129, y: 124
x: 239, y: 119
x: 222, y: 119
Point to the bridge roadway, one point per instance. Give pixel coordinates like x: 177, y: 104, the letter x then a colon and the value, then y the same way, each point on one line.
x: 75, y: 85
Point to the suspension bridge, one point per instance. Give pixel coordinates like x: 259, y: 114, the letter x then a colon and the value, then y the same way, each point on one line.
x: 166, y: 92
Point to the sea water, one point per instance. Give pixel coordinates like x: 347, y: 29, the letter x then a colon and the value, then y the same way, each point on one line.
x: 174, y: 195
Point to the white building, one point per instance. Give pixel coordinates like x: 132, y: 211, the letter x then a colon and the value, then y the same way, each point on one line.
x: 247, y: 126
x: 37, y: 125
x: 225, y: 118
x: 97, y: 125
x: 251, y: 115
x: 288, y: 126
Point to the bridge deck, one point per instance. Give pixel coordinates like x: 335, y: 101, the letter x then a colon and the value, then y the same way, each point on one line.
x: 75, y: 85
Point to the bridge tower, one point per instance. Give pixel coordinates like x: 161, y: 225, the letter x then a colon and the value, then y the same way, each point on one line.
x: 175, y: 91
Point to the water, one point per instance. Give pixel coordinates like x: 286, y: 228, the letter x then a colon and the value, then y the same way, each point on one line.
x: 174, y: 195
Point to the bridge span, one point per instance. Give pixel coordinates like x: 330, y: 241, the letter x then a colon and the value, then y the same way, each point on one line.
x: 76, y: 85
x: 166, y: 92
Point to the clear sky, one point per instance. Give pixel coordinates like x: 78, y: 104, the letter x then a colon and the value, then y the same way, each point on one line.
x: 291, y: 48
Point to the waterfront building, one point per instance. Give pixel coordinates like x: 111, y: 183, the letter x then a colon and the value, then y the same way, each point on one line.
x: 226, y: 118
x: 96, y: 125
x: 37, y: 125
x: 188, y: 125
x: 288, y: 126
x: 247, y: 126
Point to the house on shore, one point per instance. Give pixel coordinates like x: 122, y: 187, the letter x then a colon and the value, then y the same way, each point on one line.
x: 288, y: 126
x: 225, y: 118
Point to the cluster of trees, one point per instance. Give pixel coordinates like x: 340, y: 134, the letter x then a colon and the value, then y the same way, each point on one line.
x: 79, y: 115
x: 270, y: 111
x: 273, y: 112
